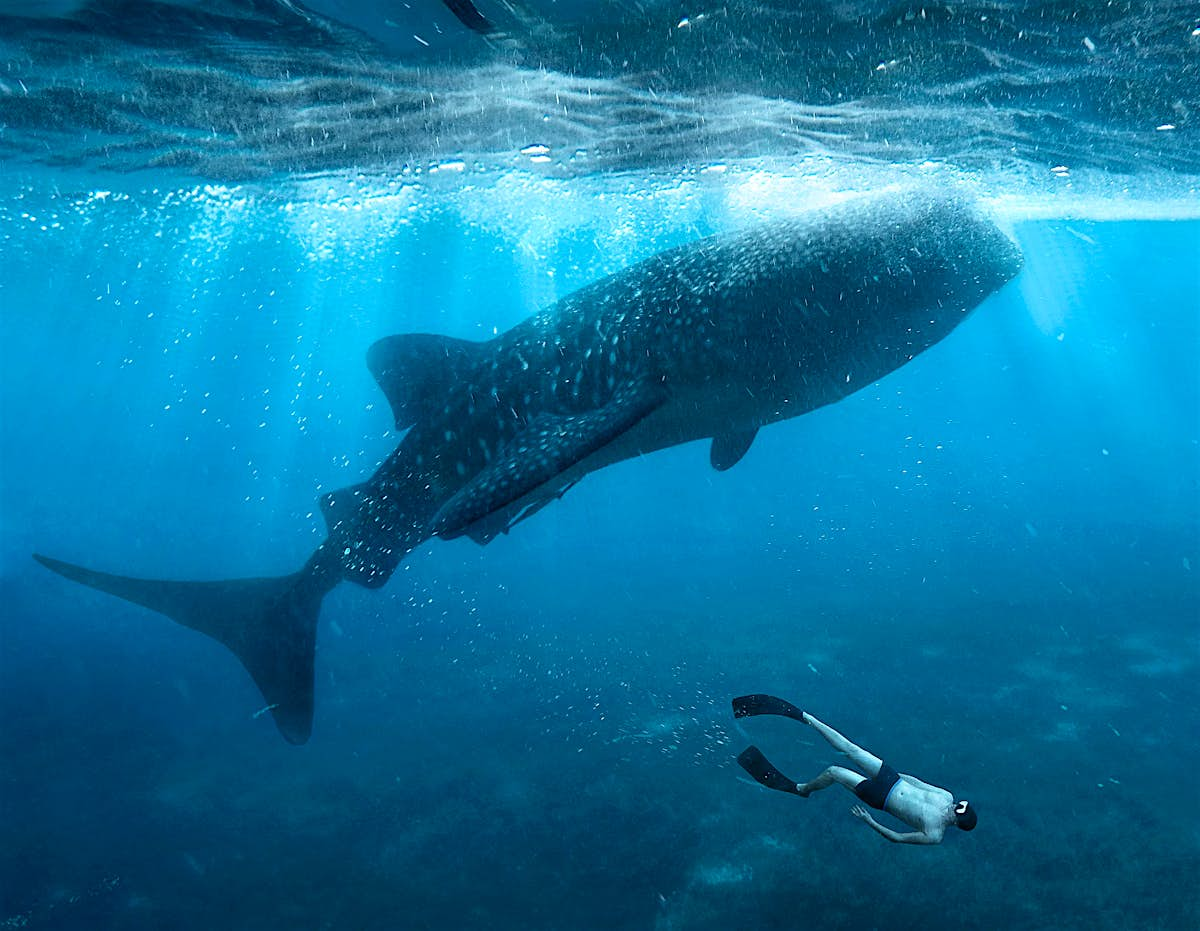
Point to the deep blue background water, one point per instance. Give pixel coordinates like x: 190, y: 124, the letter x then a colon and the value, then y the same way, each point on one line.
x: 983, y: 568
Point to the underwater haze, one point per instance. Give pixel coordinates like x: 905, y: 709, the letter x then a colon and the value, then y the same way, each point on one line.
x: 984, y: 567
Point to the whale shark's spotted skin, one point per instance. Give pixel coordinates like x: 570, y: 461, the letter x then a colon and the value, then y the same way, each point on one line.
x: 712, y: 340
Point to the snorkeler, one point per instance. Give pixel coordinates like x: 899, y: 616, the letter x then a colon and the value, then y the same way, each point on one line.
x: 927, y: 808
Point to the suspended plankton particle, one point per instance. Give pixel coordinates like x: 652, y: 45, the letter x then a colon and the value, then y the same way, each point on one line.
x: 537, y: 149
x: 261, y: 711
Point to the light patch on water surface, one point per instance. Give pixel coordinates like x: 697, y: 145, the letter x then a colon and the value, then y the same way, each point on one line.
x: 361, y: 218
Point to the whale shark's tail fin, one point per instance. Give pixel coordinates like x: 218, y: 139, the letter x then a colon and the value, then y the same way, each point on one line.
x: 270, y: 624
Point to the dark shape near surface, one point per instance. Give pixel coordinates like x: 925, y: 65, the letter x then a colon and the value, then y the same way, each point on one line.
x: 468, y: 14
x: 709, y: 341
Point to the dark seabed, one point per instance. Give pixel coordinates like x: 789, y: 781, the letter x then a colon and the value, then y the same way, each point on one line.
x: 985, y: 567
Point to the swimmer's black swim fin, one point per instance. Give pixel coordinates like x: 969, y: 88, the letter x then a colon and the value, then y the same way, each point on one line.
x: 749, y: 705
x: 758, y: 766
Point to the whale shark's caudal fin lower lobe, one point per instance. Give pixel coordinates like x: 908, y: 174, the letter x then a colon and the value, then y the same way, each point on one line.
x: 270, y: 624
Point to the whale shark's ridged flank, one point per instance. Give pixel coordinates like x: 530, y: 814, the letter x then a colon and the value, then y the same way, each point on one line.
x: 709, y: 341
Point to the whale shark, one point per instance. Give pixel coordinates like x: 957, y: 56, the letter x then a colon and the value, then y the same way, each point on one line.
x: 712, y: 340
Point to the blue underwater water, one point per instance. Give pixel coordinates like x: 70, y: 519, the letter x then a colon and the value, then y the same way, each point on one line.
x: 984, y: 567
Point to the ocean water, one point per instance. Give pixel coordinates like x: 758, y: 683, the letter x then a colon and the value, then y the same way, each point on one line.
x: 985, y: 567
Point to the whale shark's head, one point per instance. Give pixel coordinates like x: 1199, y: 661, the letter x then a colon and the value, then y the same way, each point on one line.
x: 852, y: 292
x: 966, y: 253
x: 945, y: 256
x: 913, y: 263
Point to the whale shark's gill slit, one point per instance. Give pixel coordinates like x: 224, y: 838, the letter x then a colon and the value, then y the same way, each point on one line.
x: 270, y: 624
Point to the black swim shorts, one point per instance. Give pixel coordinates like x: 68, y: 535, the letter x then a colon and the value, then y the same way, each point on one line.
x: 875, y: 791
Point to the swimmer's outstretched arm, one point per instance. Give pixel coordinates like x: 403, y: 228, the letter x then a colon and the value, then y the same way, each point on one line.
x: 916, y: 837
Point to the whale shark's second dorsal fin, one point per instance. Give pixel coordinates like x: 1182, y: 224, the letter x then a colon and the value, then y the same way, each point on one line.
x: 415, y: 370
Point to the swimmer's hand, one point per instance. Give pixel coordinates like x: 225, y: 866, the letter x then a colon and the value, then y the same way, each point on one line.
x: 915, y: 837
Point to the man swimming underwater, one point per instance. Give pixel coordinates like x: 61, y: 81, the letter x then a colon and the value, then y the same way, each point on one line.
x: 927, y: 808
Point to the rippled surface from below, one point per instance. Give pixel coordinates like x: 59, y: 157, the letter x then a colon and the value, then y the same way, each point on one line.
x: 231, y: 91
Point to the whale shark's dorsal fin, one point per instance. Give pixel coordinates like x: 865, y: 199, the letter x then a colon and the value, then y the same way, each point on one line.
x: 415, y: 370
x: 550, y: 445
x: 728, y: 448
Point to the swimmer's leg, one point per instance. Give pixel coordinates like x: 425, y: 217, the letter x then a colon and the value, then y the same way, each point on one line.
x: 865, y: 761
x: 838, y: 774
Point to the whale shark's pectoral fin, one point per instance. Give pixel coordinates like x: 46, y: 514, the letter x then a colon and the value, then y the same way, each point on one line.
x: 728, y: 448
x: 417, y: 370
x: 550, y: 445
x: 488, y: 528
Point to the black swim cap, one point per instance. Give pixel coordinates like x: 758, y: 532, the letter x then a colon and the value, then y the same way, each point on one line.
x: 964, y: 815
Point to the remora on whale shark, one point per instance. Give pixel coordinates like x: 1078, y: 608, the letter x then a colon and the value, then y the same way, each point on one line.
x: 710, y: 340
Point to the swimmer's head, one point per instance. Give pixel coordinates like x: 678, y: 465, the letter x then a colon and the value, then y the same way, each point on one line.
x: 964, y: 815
